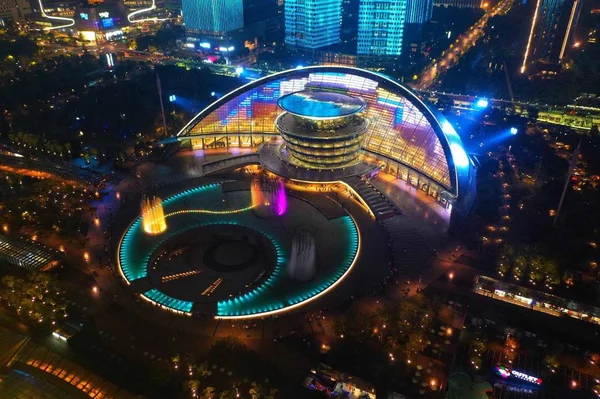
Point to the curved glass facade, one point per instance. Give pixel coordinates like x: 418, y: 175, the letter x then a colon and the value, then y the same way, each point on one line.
x: 414, y: 141
x: 398, y: 129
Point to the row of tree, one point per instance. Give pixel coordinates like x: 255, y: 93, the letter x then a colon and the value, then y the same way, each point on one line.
x: 529, y: 261
x: 35, y: 298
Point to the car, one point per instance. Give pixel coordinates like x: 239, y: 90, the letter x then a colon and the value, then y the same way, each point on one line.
x: 64, y: 332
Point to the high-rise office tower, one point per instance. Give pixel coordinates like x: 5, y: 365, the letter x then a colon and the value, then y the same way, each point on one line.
x: 381, y: 27
x: 212, y: 17
x: 14, y: 9
x: 263, y: 21
x: 312, y: 24
x: 550, y: 31
x: 418, y: 11
x: 349, y: 21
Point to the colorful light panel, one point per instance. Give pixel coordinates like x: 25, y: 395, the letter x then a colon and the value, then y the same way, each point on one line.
x: 405, y: 136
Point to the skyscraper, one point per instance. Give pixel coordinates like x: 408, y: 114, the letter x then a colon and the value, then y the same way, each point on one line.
x: 418, y: 11
x: 312, y: 24
x: 212, y: 17
x: 381, y: 27
x: 14, y: 9
x: 552, y: 26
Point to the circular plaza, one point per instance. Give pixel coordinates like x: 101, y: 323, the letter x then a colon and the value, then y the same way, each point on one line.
x: 227, y: 252
x: 290, y: 228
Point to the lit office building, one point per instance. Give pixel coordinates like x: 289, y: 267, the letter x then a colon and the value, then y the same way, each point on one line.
x: 212, y: 17
x: 550, y: 31
x: 381, y: 27
x: 349, y: 27
x: 418, y: 12
x: 312, y: 24
x: 223, y: 26
x: 14, y: 10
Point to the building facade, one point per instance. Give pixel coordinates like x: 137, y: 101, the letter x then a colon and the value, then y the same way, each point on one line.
x: 381, y: 27
x: 412, y: 140
x: 14, y: 10
x: 550, y: 31
x: 418, y: 11
x: 312, y: 24
x: 212, y: 17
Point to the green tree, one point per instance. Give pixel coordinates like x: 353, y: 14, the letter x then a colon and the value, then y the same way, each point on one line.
x: 256, y: 391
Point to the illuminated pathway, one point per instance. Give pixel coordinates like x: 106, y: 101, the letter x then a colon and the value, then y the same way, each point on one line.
x: 68, y: 21
x: 143, y: 10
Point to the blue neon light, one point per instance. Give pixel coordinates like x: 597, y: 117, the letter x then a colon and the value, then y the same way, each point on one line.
x: 482, y: 103
x: 459, y: 155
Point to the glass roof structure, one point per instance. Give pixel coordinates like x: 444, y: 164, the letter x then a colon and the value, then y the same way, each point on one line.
x: 41, y: 374
x: 29, y: 254
x: 316, y: 104
x: 402, y: 127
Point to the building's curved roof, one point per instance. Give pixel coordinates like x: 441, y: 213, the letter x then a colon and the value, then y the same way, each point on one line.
x: 402, y: 127
x: 321, y: 104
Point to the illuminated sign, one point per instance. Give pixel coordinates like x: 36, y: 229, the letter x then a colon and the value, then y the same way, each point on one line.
x: 205, y: 45
x: 84, y: 16
x: 104, y: 14
x: 107, y: 23
x: 112, y: 34
x: 505, y: 372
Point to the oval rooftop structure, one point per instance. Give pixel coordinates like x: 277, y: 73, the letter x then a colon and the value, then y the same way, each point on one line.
x: 319, y: 104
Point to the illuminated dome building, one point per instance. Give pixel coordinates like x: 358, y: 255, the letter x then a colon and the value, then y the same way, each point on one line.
x: 390, y: 124
x: 321, y: 129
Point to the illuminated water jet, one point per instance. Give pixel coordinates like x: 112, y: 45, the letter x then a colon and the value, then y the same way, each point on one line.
x: 268, y: 197
x: 153, y: 216
x: 303, y: 258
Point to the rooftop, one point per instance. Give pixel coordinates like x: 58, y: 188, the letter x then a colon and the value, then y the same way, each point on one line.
x: 319, y: 104
x: 22, y: 252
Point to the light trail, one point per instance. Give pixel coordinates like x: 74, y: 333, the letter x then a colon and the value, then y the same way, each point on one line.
x: 70, y: 20
x: 533, y: 23
x: 142, y: 10
x: 229, y: 212
x: 567, y: 33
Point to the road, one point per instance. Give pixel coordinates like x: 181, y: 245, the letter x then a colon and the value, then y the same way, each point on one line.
x: 463, y: 43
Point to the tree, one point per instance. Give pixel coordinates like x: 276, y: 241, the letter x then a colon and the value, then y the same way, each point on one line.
x: 192, y: 386
x: 209, y: 393
x: 203, y: 370
x: 190, y: 361
x: 227, y: 394
x: 415, y: 343
x: 256, y: 391
x: 271, y: 394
